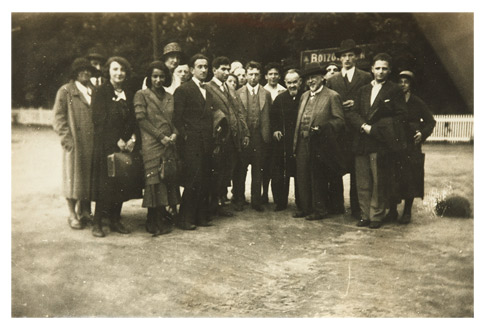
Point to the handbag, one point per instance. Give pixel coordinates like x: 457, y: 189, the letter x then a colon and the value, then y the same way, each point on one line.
x: 170, y: 168
x: 125, y: 165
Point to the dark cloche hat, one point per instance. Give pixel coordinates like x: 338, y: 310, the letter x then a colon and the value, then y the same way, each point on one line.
x: 313, y: 69
x: 348, y: 45
x: 172, y: 47
x: 81, y: 64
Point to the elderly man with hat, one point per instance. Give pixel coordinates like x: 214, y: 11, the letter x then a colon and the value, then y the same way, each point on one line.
x: 346, y: 83
x: 317, y: 143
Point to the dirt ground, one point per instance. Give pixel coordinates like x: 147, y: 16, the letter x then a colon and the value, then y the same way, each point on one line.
x: 251, y: 265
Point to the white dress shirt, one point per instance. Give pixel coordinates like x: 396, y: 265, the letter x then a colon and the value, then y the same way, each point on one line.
x: 84, y: 90
x: 252, y: 90
x: 199, y: 83
x: 274, y: 92
x: 375, y: 90
x: 349, y: 73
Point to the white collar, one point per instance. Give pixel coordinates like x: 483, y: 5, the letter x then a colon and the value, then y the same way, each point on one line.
x: 313, y: 93
x: 375, y: 83
x: 217, y: 81
x: 349, y: 73
x: 250, y: 88
x: 119, y: 95
x: 198, y: 82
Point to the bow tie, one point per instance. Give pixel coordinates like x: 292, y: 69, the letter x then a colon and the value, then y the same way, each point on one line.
x: 201, y: 84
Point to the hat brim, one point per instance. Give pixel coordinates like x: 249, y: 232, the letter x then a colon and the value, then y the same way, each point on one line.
x: 356, y: 50
x: 320, y: 71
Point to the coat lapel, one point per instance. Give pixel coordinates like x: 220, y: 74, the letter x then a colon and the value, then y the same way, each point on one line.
x: 197, y: 93
x: 243, y: 95
x: 381, y: 94
x: 75, y: 92
x: 261, y: 95
x: 217, y: 91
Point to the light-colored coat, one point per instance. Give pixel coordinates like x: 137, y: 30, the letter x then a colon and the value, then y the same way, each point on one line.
x: 73, y: 123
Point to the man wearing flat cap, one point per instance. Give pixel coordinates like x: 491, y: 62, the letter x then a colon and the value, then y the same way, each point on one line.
x: 346, y: 83
x: 316, y: 145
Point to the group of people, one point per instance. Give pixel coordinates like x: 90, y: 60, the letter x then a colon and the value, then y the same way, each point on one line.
x: 203, y: 136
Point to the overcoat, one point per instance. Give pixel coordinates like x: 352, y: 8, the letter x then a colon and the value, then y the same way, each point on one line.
x: 113, y: 119
x: 73, y: 123
x: 229, y: 104
x: 154, y: 115
x: 411, y: 162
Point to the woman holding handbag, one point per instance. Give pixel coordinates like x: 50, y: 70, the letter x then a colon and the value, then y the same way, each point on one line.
x: 115, y: 130
x: 154, y: 111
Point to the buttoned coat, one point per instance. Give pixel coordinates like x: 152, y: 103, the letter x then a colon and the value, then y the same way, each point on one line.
x: 265, y: 104
x: 387, y: 116
x: 113, y: 120
x: 73, y: 123
x: 193, y: 118
x: 326, y: 111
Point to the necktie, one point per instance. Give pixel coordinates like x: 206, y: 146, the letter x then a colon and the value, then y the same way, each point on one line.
x: 346, y: 80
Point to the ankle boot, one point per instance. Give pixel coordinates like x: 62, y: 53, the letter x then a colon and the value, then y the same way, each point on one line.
x: 97, y: 229
x: 117, y: 226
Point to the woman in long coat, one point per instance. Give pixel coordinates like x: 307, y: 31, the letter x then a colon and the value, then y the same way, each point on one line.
x: 73, y: 123
x: 154, y: 111
x: 420, y: 124
x: 115, y: 130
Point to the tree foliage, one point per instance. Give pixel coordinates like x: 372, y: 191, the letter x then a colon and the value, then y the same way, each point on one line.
x: 45, y: 44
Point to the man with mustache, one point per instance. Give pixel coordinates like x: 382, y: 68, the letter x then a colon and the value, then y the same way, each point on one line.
x: 319, y: 127
x: 283, y: 122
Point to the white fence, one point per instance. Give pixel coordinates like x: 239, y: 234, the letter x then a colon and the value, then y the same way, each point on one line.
x: 31, y: 116
x: 449, y: 128
x: 453, y: 128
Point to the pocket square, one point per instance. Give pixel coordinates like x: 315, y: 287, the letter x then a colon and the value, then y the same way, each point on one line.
x: 387, y: 100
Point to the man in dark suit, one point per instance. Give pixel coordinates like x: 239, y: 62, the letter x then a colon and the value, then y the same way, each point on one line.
x: 257, y: 102
x: 193, y: 118
x: 376, y: 121
x: 236, y: 137
x: 346, y: 83
x: 283, y: 122
x: 319, y: 125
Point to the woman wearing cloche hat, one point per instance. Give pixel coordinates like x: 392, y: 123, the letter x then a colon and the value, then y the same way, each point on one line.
x: 73, y: 124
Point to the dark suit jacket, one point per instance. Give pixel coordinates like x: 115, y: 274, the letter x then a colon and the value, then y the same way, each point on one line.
x: 193, y: 118
x: 265, y: 104
x: 387, y: 116
x: 233, y: 110
x: 337, y: 83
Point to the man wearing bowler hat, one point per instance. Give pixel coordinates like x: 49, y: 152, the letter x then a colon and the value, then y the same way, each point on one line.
x: 316, y: 145
x: 346, y: 83
x: 97, y: 60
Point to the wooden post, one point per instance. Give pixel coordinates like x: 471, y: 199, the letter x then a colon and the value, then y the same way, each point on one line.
x: 155, y: 50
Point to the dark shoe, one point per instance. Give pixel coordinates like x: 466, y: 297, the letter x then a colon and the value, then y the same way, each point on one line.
x: 405, y: 219
x: 186, y: 226
x: 238, y: 207
x: 375, y: 224
x: 117, y: 226
x: 356, y: 215
x: 97, y: 230
x: 265, y: 199
x: 75, y: 223
x: 300, y: 214
x: 317, y: 216
x: 224, y: 213
x: 390, y: 217
x: 85, y: 220
x: 363, y: 222
x: 337, y: 211
x: 258, y: 208
x: 203, y: 223
x: 280, y: 208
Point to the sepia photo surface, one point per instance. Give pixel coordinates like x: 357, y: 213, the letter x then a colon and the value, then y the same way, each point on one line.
x: 252, y: 264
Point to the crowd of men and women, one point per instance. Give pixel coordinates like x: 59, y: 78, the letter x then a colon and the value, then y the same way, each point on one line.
x: 203, y: 136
